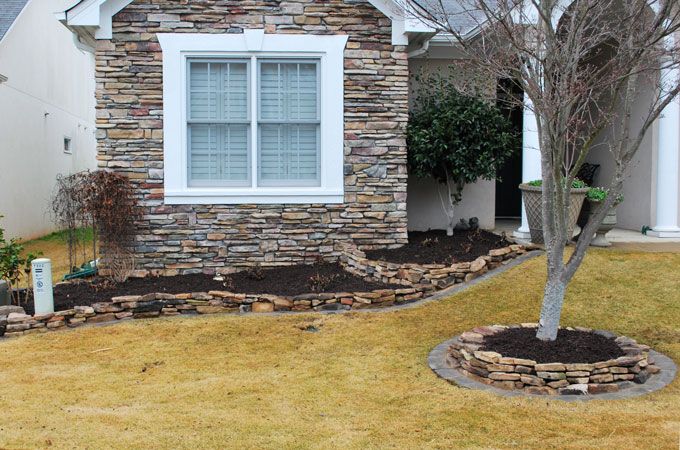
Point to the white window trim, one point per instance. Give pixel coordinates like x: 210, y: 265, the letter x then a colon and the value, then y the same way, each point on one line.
x: 177, y: 47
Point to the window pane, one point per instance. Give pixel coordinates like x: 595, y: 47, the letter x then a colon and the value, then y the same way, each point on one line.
x: 218, y: 91
x: 218, y: 153
x: 288, y: 91
x: 289, y: 152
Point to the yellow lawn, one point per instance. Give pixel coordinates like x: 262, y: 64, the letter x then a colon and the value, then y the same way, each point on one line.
x: 54, y: 246
x: 361, y: 382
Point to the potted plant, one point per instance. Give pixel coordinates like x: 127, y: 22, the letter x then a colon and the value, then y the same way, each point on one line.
x: 595, y: 196
x: 532, y: 196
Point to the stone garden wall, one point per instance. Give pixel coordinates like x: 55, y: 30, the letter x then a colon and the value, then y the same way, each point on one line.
x: 162, y: 304
x: 439, y: 275
x: 202, y: 238
x: 13, y: 321
x: 494, y: 369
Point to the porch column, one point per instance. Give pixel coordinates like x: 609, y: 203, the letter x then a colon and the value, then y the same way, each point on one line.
x: 668, y: 157
x: 531, y: 159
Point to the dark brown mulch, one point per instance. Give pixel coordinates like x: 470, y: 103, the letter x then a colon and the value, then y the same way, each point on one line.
x: 435, y: 247
x: 289, y: 281
x: 570, y: 347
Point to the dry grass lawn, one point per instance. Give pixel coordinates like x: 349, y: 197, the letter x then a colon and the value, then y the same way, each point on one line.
x: 54, y: 246
x: 361, y: 382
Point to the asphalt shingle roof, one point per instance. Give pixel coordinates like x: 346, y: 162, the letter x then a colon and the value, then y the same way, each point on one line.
x: 9, y: 10
x: 463, y: 16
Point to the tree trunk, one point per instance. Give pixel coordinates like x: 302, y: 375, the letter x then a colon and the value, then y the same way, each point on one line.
x: 448, y: 205
x: 553, y: 298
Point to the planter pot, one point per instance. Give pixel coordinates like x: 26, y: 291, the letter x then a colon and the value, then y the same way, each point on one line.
x: 532, y: 203
x: 609, y: 222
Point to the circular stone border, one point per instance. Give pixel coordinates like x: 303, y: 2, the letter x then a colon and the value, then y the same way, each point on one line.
x: 437, y: 360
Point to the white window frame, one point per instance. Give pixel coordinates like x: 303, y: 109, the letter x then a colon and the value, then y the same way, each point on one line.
x: 328, y: 50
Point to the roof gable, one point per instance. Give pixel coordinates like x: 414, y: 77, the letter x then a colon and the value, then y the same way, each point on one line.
x: 9, y: 11
x: 94, y: 17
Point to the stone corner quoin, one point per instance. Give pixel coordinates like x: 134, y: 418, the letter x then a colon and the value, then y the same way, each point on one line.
x: 174, y: 239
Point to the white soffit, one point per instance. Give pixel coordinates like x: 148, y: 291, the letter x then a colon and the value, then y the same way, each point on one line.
x: 97, y: 15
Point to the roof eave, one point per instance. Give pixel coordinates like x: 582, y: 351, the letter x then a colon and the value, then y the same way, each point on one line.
x: 92, y: 19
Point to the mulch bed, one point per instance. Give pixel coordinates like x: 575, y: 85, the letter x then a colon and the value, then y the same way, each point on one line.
x: 570, y: 347
x: 285, y: 281
x: 435, y: 247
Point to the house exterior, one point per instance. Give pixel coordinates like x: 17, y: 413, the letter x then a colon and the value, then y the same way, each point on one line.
x: 263, y: 132
x: 46, y: 112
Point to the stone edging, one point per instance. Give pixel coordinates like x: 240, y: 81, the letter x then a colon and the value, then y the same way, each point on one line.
x: 165, y: 305
x: 439, y: 275
x: 439, y: 362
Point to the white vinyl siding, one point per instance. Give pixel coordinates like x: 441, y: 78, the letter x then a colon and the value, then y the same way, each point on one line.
x: 289, y: 123
x: 218, y: 123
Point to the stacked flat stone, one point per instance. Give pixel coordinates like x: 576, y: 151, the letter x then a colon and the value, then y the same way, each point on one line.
x: 180, y: 239
x: 439, y: 275
x: 418, y: 281
x: 212, y: 302
x: 553, y: 378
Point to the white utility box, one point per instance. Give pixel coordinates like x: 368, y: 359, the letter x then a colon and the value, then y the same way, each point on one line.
x: 42, y: 285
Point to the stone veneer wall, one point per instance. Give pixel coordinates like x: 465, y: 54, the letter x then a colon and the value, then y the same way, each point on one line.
x: 193, y: 238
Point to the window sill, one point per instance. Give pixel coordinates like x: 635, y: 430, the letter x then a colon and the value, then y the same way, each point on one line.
x: 253, y: 197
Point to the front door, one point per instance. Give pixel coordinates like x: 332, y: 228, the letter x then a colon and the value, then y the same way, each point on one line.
x: 508, y: 195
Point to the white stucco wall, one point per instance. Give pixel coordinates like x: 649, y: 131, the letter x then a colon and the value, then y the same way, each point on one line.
x: 425, y: 211
x: 49, y: 95
x: 639, y: 189
x: 424, y: 206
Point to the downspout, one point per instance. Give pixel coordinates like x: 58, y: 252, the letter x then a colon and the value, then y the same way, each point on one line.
x: 2, y: 78
x: 422, y: 49
x: 80, y: 35
x: 80, y: 45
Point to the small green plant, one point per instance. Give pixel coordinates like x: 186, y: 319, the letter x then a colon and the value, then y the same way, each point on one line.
x: 576, y: 184
x: 14, y: 267
x: 598, y: 194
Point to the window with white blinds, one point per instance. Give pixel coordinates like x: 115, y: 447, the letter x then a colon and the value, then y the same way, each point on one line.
x: 220, y: 125
x: 253, y: 118
x: 288, y: 123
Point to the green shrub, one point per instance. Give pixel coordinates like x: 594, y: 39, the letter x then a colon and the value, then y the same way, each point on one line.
x: 456, y: 138
x: 13, y: 266
x: 598, y: 194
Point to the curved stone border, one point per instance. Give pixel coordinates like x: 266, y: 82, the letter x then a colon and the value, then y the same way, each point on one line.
x: 167, y: 305
x: 437, y: 360
x: 438, y: 275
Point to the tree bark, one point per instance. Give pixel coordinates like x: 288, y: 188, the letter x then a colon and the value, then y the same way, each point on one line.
x: 553, y: 299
